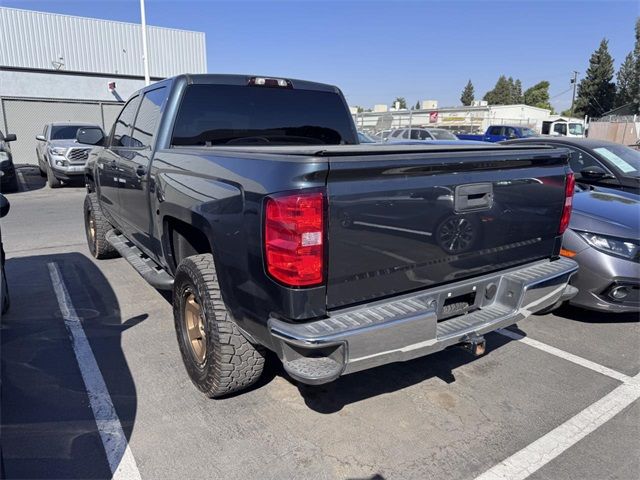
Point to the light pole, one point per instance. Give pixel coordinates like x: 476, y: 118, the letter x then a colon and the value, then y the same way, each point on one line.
x: 145, y: 57
x: 573, y: 98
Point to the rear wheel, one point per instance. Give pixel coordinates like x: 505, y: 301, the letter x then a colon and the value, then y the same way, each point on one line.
x: 96, y: 227
x: 217, y: 356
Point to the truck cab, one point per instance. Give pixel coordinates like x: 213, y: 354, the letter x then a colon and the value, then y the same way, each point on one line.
x: 563, y: 128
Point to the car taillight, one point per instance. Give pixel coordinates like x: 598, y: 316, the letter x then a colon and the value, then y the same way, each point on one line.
x: 294, y: 238
x: 569, y: 187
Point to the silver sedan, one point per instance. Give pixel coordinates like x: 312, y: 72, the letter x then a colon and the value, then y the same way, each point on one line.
x: 604, y: 238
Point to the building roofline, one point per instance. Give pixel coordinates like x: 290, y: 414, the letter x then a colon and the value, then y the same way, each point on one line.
x: 104, y: 20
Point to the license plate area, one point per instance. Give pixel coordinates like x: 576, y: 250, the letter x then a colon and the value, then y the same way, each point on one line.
x: 458, y: 305
x: 465, y: 299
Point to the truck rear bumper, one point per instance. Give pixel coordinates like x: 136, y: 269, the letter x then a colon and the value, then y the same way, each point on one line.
x: 410, y: 326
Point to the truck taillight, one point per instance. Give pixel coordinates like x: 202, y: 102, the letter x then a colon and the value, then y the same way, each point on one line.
x: 569, y: 187
x: 294, y: 239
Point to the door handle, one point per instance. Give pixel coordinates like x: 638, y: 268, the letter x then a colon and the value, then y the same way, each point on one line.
x: 140, y: 171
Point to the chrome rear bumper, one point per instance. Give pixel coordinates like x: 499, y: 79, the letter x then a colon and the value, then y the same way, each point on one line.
x: 414, y: 325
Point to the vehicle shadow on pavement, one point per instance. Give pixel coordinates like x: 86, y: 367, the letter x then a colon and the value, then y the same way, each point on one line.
x: 590, y: 316
x: 29, y: 178
x: 332, y: 397
x: 48, y: 427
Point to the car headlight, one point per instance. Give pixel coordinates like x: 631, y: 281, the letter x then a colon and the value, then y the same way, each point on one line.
x: 614, y: 246
x: 4, y: 157
x: 59, y: 151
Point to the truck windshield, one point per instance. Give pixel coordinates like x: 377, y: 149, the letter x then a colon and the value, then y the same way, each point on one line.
x: 64, y: 132
x: 246, y: 115
x: 576, y: 129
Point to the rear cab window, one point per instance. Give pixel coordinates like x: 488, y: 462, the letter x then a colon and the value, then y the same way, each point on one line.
x: 235, y: 115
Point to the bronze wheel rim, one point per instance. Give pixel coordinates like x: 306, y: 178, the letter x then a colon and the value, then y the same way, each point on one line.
x: 194, y: 325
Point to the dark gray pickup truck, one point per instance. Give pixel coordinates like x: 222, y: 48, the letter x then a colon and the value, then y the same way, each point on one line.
x: 251, y: 199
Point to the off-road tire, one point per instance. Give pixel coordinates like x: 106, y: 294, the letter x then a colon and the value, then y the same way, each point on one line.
x: 52, y: 181
x: 98, y: 245
x: 231, y: 363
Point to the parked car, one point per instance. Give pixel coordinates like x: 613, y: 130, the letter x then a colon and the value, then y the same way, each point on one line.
x: 365, y: 138
x: 419, y: 134
x: 8, y: 179
x: 597, y: 162
x: 60, y: 158
x: 498, y: 133
x: 382, y: 136
x: 4, y: 287
x: 604, y: 238
x: 233, y: 196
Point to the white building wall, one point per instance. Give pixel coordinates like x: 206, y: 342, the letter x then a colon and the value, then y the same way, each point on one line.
x: 76, y: 87
x: 37, y: 40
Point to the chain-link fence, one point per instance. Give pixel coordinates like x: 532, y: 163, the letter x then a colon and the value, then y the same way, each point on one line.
x: 26, y: 117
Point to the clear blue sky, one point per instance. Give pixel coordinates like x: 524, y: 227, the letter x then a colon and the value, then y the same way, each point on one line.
x: 377, y: 50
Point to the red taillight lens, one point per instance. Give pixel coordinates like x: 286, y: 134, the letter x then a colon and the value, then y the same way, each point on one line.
x: 294, y: 238
x: 568, y: 202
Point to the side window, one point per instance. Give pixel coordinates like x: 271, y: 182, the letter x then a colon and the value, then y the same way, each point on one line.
x: 580, y: 160
x: 396, y: 133
x: 405, y: 134
x: 147, y: 118
x: 495, y: 131
x: 560, y: 128
x: 122, y: 128
x: 415, y: 134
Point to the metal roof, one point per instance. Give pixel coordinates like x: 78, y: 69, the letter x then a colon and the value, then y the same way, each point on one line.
x: 37, y: 40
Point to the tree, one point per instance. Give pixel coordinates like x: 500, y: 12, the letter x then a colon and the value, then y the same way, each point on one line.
x: 401, y: 101
x: 538, y: 95
x: 517, y: 91
x: 596, y: 91
x: 417, y: 107
x: 635, y: 84
x: 467, y: 96
x: 500, y: 94
x: 624, y: 93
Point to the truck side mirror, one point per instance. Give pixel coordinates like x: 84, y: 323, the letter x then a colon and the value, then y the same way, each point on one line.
x: 40, y: 138
x: 10, y: 137
x: 594, y: 172
x: 4, y: 205
x: 90, y: 136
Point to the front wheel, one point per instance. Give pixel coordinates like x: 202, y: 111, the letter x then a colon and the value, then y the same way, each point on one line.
x: 52, y: 181
x: 216, y: 355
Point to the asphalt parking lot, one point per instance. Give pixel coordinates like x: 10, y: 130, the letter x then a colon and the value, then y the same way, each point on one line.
x: 556, y: 397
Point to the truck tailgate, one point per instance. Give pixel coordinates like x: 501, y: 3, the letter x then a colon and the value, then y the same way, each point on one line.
x: 402, y: 222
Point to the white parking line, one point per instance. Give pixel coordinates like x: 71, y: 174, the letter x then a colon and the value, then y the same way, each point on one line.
x: 583, y: 362
x: 536, y: 455
x: 123, y: 465
x: 22, y: 184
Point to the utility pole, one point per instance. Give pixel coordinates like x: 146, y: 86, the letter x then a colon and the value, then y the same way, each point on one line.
x: 145, y: 55
x: 574, y: 80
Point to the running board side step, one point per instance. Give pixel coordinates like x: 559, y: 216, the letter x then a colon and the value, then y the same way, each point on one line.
x: 155, y: 275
